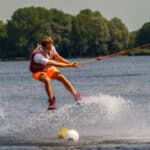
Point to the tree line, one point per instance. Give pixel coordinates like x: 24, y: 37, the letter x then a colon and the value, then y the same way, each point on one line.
x: 86, y: 34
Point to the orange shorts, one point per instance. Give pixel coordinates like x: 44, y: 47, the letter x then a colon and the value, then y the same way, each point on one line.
x: 50, y: 72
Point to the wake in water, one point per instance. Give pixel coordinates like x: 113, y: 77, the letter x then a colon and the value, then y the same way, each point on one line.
x: 100, y: 115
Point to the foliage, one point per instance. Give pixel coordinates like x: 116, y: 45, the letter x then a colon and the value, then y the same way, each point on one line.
x: 87, y: 34
x: 3, y: 37
x: 119, y: 35
x: 143, y: 36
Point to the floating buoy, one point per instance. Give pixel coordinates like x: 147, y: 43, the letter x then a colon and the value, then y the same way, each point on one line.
x: 72, y: 135
x: 62, y: 132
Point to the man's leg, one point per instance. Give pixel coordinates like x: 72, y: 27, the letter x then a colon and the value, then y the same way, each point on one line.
x: 60, y: 77
x: 45, y: 79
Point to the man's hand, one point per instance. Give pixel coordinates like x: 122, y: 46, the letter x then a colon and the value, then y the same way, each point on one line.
x: 75, y: 64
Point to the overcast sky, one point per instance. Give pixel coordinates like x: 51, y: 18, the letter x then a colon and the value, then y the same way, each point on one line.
x: 134, y: 13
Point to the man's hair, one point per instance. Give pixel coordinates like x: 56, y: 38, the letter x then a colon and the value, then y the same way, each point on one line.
x: 46, y: 40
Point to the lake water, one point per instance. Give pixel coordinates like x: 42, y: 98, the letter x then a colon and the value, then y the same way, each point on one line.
x: 117, y: 118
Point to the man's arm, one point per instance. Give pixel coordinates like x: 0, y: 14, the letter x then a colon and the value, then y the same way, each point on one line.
x: 58, y: 58
x: 38, y: 58
x: 61, y: 64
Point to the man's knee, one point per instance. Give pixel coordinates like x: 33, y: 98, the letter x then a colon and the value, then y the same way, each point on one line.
x: 44, y: 78
x: 59, y: 76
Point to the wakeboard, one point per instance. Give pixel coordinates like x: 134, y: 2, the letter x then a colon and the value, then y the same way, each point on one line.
x: 66, y: 107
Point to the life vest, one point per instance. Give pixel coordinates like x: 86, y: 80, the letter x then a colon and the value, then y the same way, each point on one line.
x: 36, y: 67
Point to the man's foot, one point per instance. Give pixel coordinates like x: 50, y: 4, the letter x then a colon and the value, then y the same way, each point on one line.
x: 77, y: 97
x: 52, y: 104
x: 51, y: 107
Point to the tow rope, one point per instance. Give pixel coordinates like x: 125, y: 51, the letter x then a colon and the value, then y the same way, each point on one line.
x: 82, y: 63
x: 122, y: 52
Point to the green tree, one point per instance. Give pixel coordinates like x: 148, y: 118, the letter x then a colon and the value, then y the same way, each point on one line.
x: 119, y: 35
x: 61, y: 25
x: 26, y: 27
x: 86, y: 34
x: 90, y: 33
x: 3, y: 38
x: 143, y: 35
x: 132, y: 39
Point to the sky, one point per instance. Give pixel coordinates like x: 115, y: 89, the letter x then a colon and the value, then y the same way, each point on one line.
x: 133, y: 13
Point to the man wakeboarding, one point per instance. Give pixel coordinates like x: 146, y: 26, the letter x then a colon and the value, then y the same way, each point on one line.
x: 43, y: 68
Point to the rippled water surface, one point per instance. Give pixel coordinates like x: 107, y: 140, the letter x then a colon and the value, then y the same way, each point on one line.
x: 116, y: 114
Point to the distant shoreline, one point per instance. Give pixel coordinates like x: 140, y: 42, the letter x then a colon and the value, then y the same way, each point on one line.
x: 25, y: 59
x: 140, y: 52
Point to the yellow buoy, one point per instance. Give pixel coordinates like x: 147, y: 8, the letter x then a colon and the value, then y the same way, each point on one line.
x: 62, y: 132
